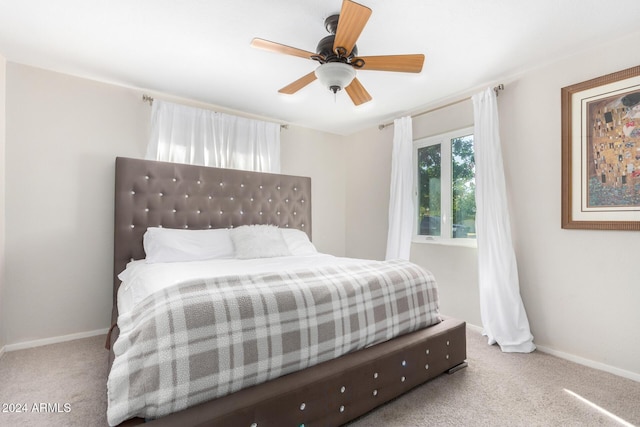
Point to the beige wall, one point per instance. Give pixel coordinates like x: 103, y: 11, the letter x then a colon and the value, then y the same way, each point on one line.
x: 321, y: 156
x: 63, y: 134
x: 455, y: 267
x: 368, y: 177
x: 369, y: 154
x: 580, y: 288
x: 3, y: 75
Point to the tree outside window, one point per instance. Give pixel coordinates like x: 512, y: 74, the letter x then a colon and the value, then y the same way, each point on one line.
x: 446, y: 185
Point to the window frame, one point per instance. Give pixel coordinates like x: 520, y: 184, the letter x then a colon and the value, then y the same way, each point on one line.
x: 446, y: 188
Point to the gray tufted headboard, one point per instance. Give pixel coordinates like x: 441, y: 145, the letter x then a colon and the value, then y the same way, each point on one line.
x: 172, y: 195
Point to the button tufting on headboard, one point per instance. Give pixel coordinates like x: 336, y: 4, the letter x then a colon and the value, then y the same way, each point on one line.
x: 172, y: 195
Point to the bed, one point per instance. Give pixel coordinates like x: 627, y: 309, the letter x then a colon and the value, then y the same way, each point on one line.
x: 329, y: 393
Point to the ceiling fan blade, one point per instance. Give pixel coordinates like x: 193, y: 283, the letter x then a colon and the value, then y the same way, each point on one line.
x: 353, y: 18
x: 358, y: 93
x: 401, y: 63
x: 298, y: 84
x: 280, y: 48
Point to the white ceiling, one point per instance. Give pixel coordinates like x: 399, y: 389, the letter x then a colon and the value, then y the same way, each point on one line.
x: 199, y: 49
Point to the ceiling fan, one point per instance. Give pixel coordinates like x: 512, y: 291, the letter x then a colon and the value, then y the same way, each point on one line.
x: 338, y: 55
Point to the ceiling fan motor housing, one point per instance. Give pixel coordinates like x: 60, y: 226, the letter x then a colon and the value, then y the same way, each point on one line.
x: 325, y: 46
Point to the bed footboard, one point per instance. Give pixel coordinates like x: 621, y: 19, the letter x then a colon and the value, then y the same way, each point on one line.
x: 335, y: 392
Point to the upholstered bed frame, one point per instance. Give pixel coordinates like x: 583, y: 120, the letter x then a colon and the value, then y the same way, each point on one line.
x: 151, y: 194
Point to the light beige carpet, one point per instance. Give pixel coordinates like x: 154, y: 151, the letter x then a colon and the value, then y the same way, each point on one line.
x: 73, y: 372
x: 497, y: 389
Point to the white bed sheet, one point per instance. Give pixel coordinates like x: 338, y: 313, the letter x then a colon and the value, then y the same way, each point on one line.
x: 141, y: 279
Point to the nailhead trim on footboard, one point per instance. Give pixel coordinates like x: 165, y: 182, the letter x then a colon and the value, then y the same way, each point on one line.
x: 335, y: 392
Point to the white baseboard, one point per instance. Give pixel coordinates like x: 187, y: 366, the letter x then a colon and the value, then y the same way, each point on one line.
x: 53, y: 340
x: 590, y: 363
x: 577, y: 359
x: 1, y: 352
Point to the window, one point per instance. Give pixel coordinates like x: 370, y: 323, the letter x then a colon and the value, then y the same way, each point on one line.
x: 445, y: 186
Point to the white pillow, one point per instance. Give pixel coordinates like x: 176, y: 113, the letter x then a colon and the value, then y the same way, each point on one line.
x: 258, y: 241
x: 175, y: 245
x: 298, y: 242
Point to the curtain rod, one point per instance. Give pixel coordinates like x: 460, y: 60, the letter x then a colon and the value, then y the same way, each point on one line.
x: 495, y: 89
x: 149, y: 99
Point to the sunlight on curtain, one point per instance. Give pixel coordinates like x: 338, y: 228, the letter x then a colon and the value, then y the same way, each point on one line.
x: 401, y: 205
x: 504, y: 319
x: 184, y: 134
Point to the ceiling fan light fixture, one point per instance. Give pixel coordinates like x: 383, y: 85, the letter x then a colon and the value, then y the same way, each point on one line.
x: 335, y: 75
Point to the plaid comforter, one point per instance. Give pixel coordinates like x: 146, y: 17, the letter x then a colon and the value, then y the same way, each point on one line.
x: 204, y: 339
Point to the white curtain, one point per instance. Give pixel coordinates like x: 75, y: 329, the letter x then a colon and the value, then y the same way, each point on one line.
x: 503, y: 315
x: 185, y: 134
x: 401, y: 208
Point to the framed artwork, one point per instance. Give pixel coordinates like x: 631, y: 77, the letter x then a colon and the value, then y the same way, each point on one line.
x: 601, y: 152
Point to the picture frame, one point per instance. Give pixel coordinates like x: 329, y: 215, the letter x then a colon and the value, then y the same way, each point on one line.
x: 601, y: 152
